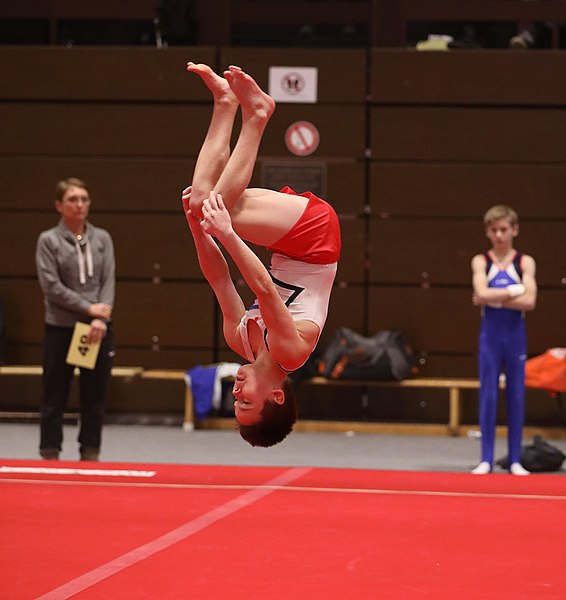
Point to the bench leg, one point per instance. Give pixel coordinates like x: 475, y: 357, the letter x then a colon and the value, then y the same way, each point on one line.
x: 455, y: 410
x: 189, y: 420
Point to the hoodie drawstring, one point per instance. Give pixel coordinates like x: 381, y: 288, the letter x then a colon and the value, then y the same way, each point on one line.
x: 81, y: 261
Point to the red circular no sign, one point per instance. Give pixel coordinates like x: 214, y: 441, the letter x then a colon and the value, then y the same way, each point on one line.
x: 302, y: 138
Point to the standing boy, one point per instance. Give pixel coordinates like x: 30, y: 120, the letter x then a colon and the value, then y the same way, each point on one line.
x: 505, y: 287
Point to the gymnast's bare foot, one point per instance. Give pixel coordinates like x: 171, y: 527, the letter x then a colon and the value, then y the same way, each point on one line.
x: 253, y: 100
x: 219, y: 87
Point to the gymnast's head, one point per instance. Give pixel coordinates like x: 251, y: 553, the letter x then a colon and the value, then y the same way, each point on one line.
x: 265, y: 408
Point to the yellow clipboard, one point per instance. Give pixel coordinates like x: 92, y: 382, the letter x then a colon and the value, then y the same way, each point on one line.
x: 80, y: 353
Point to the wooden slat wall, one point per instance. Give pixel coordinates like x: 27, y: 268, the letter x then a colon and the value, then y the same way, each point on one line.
x: 456, y: 133
x: 129, y: 122
x: 416, y: 147
x: 131, y: 125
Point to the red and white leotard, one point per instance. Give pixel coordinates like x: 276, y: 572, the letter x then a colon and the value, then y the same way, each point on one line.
x: 303, y: 268
x: 315, y: 237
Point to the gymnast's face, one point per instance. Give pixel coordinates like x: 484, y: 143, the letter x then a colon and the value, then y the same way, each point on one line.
x: 501, y: 233
x: 251, y: 392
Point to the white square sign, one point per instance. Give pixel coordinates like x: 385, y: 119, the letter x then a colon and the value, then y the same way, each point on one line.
x: 293, y: 84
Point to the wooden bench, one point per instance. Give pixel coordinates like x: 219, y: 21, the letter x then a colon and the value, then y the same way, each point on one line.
x: 453, y: 386
x: 454, y: 427
x: 125, y: 372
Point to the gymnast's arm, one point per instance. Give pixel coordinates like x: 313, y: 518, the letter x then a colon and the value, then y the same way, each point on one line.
x: 528, y: 299
x: 288, y: 344
x: 215, y: 268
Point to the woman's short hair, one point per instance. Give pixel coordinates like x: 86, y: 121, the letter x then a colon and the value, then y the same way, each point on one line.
x: 63, y: 185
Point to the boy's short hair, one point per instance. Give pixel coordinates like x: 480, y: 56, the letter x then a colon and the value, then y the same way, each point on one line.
x: 500, y: 211
x: 63, y: 185
x: 276, y: 422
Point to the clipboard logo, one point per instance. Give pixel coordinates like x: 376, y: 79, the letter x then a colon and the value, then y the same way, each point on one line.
x: 80, y: 353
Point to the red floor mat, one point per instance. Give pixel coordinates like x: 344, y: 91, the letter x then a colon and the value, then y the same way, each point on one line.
x: 208, y: 532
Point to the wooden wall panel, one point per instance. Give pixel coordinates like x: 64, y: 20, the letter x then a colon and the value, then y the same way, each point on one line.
x: 425, y: 251
x: 467, y: 189
x: 152, y: 245
x: 468, y: 77
x: 143, y: 185
x: 146, y: 356
x: 346, y: 183
x: 545, y: 241
x: 347, y: 87
x: 151, y: 184
x: 178, y: 314
x: 444, y: 321
x: 18, y: 239
x: 341, y: 129
x: 168, y: 130
x: 24, y: 310
x: 436, y: 320
x: 345, y: 310
x: 150, y: 357
x: 101, y: 74
x: 530, y: 135
x: 351, y: 267
x: 440, y: 251
x: 145, y: 245
x: 97, y: 129
x: 448, y: 365
x: 344, y: 179
x: 547, y: 323
x: 172, y: 314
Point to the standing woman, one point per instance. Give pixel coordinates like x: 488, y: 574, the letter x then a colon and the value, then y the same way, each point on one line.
x: 76, y: 271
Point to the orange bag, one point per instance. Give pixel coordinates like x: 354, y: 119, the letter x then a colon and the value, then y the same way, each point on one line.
x: 547, y: 371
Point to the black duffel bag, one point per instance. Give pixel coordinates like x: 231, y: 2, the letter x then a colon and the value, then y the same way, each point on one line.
x: 383, y: 357
x: 538, y: 457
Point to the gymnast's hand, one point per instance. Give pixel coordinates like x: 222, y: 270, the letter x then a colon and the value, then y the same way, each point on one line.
x: 216, y: 218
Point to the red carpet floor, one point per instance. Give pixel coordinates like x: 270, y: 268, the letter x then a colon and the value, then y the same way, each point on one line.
x: 125, y: 531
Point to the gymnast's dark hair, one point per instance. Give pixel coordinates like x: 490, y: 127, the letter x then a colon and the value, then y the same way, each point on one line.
x: 276, y: 421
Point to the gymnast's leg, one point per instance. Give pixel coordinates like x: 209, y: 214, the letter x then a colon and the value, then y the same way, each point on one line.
x: 515, y: 395
x: 257, y: 108
x: 489, y: 367
x: 215, y: 150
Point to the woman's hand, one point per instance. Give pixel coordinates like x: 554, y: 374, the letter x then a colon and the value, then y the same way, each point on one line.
x: 97, y: 331
x: 99, y: 310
